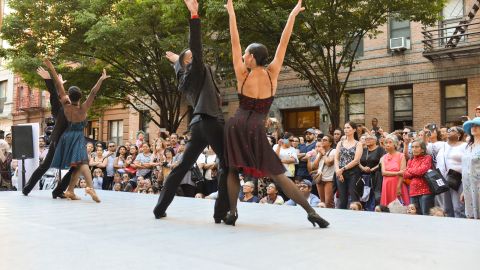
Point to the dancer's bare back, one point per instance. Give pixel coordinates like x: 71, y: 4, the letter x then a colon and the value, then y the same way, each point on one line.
x: 75, y: 112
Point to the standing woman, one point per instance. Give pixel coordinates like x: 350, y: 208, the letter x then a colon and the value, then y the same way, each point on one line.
x: 347, y: 158
x: 246, y: 143
x: 98, y: 161
x: 449, y: 162
x: 324, y: 168
x: 369, y: 165
x: 119, y: 162
x: 420, y: 194
x: 71, y: 151
x: 393, y: 167
x: 471, y: 169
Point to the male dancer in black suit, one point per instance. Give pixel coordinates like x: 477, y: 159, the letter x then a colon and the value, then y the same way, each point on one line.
x: 60, y: 126
x: 197, y: 83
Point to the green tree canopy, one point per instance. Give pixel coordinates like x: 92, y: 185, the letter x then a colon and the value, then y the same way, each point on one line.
x: 128, y: 37
x: 326, y: 35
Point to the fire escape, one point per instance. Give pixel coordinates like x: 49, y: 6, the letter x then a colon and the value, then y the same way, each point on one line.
x: 459, y: 40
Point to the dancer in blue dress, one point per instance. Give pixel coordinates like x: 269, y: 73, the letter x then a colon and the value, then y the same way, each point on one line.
x: 71, y: 150
x: 246, y: 143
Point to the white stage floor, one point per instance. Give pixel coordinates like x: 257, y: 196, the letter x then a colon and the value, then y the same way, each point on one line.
x: 37, y: 232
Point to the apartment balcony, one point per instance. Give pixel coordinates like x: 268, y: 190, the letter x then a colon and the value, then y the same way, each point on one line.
x: 454, y: 39
x: 31, y: 103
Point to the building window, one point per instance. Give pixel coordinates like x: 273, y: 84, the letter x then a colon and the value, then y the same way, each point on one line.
x: 399, y: 29
x: 359, y: 52
x: 454, y: 102
x: 297, y: 121
x: 93, y: 130
x: 116, y: 131
x: 355, y: 106
x: 402, y: 104
x: 452, y: 13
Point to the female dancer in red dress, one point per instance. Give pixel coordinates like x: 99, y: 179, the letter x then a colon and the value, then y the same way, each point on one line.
x: 246, y: 143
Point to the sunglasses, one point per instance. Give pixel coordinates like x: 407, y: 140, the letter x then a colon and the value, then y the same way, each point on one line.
x: 452, y: 130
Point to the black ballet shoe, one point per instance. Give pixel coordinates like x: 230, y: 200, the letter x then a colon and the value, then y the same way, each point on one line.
x: 58, y: 195
x: 230, y: 219
x: 315, y: 219
x: 159, y: 216
x: 25, y: 193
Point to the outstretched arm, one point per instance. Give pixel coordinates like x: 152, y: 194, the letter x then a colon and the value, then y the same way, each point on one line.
x: 277, y: 62
x: 238, y: 65
x: 195, y: 39
x: 56, y: 79
x: 93, y: 93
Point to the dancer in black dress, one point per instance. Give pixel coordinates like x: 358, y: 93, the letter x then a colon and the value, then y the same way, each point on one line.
x: 247, y: 147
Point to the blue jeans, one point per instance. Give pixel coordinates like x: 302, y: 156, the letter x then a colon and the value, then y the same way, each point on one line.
x: 423, y: 203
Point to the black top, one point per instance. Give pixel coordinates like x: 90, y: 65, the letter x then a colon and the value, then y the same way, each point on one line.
x: 196, y: 81
x: 372, y: 158
x: 61, y: 122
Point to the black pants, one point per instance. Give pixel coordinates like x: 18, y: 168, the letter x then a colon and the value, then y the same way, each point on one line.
x: 186, y: 190
x: 42, y: 169
x: 107, y: 183
x: 349, y: 187
x: 208, y: 131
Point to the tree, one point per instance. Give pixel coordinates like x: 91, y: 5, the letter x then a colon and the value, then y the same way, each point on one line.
x: 82, y: 36
x: 326, y: 36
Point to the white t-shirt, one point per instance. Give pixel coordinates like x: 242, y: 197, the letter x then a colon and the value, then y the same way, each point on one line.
x: 287, y: 153
x: 449, y: 157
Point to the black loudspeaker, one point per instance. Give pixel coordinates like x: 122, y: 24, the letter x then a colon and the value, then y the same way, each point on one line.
x: 22, y: 142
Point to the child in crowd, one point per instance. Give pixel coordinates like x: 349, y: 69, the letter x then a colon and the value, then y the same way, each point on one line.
x: 411, y: 209
x: 97, y: 178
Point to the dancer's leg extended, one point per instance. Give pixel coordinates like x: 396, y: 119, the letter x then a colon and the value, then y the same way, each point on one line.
x: 193, y: 149
x: 85, y: 171
x: 40, y: 171
x: 69, y: 193
x: 294, y: 193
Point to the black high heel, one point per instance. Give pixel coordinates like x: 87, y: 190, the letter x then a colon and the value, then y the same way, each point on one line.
x: 231, y: 218
x: 315, y: 219
x: 58, y: 195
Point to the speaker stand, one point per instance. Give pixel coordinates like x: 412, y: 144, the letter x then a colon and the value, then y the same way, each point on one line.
x: 23, y: 171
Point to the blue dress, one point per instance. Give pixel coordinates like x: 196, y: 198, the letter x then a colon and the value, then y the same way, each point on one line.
x: 70, y: 149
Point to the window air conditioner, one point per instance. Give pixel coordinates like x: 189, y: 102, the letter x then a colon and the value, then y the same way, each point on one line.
x: 398, y: 44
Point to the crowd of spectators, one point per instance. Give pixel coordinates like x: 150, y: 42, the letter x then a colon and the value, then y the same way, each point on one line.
x: 357, y: 167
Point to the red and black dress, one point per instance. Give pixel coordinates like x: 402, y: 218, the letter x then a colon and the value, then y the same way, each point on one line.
x: 246, y: 143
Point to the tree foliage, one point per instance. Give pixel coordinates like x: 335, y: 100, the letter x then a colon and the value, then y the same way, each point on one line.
x: 83, y: 36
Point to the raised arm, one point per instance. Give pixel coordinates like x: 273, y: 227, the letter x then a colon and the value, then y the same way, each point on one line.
x: 54, y: 100
x: 93, y: 93
x: 58, y: 83
x: 238, y: 65
x: 277, y: 62
x: 195, y: 39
